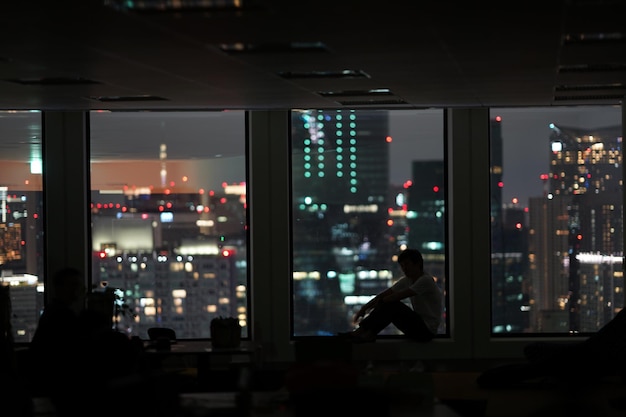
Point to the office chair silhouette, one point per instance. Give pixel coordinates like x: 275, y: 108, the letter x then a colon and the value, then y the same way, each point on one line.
x: 156, y: 333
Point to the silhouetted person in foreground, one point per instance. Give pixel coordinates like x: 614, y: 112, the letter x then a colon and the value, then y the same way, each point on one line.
x: 60, y: 348
x: 419, y: 322
x: 75, y: 353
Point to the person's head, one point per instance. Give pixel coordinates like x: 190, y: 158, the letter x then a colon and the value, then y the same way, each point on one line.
x: 68, y: 287
x: 411, y: 262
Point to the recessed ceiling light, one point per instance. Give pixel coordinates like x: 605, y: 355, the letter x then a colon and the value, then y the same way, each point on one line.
x: 53, y: 81
x: 588, y: 38
x: 592, y: 68
x: 325, y: 74
x: 354, y: 93
x: 127, y: 98
x: 275, y: 47
x: 616, y: 98
x: 169, y: 5
x: 372, y: 102
x: 590, y: 87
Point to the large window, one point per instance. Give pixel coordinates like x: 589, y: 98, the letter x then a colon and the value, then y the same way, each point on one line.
x: 21, y: 218
x: 365, y: 185
x: 556, y: 219
x: 169, y: 218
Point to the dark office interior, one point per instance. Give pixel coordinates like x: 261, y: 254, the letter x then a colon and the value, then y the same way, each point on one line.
x: 97, y: 73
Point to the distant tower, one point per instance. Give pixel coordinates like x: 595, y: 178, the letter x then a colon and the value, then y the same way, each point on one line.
x: 163, y: 158
x: 586, y: 169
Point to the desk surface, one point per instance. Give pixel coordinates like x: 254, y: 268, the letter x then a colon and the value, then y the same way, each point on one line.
x: 197, y: 347
x: 275, y: 403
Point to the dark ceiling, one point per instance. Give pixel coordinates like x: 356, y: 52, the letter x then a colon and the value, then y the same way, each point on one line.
x: 274, y: 54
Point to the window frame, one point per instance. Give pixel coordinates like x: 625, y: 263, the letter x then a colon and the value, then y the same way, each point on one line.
x: 466, y: 133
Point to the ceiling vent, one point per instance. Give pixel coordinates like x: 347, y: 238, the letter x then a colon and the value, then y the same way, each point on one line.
x: 166, y: 6
x: 590, y: 87
x: 616, y: 98
x: 53, y: 81
x: 390, y: 102
x: 277, y: 47
x: 325, y: 74
x: 357, y: 93
x: 120, y: 99
x: 591, y: 68
x: 615, y: 38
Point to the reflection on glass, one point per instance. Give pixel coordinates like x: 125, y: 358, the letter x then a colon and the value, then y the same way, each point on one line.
x: 556, y: 219
x: 21, y: 218
x: 365, y: 185
x: 169, y: 222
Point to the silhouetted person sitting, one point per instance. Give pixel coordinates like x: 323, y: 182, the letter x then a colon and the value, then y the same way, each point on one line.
x: 75, y: 352
x: 419, y: 322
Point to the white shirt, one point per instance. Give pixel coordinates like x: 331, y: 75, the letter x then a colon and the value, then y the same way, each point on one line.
x: 427, y: 301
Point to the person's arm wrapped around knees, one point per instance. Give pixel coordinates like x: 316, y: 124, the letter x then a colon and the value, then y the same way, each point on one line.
x: 371, y: 304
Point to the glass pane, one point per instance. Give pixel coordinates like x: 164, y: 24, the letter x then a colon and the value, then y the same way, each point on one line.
x: 169, y: 221
x: 556, y: 219
x: 366, y: 184
x: 21, y: 218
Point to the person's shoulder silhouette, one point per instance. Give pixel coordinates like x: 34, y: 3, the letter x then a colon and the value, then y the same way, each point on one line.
x: 61, y: 318
x: 58, y: 350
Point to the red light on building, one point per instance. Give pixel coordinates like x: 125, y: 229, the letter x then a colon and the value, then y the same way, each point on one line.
x: 223, y: 200
x: 23, y: 242
x: 35, y: 216
x: 389, y: 222
x: 388, y: 139
x: 436, y: 188
x: 500, y: 184
x: 579, y: 237
x: 518, y: 226
x: 498, y: 119
x: 228, y: 252
x: 543, y: 177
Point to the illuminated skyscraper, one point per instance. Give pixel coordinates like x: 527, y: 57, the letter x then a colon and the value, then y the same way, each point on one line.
x: 586, y: 173
x: 340, y: 172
